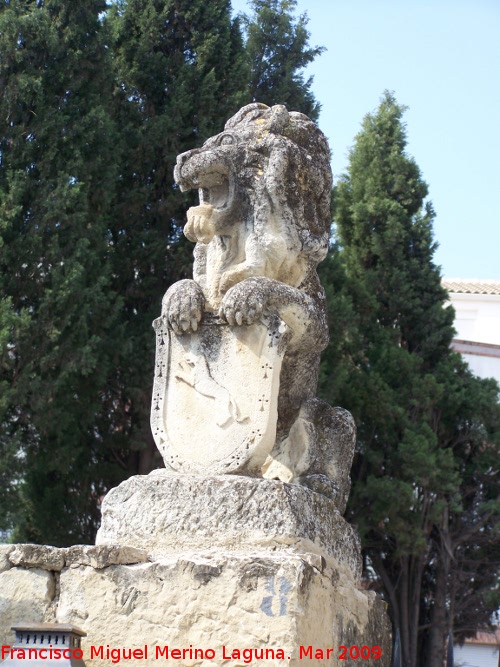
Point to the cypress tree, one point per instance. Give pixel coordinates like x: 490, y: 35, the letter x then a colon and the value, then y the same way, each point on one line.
x: 97, y: 102
x: 427, y: 429
x: 180, y: 72
x: 277, y: 48
x: 59, y: 156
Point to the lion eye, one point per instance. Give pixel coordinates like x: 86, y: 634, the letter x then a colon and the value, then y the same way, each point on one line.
x: 226, y: 139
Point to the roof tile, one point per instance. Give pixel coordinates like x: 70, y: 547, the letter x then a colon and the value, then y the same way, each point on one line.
x: 485, y: 637
x: 468, y: 286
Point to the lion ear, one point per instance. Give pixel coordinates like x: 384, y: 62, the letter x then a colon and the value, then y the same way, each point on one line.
x: 297, y: 115
x: 248, y: 113
x: 279, y: 119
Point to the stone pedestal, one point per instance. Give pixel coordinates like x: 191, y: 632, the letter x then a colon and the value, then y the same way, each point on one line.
x: 168, y: 513
x: 224, y: 571
x: 241, y: 563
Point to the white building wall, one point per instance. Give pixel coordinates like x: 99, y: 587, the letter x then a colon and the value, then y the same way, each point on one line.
x: 475, y: 655
x: 477, y: 320
x: 485, y: 367
x: 477, y: 317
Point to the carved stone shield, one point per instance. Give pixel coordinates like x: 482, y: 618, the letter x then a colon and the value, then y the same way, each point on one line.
x: 215, y: 394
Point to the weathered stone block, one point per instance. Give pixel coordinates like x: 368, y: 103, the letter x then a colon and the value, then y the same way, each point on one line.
x: 25, y: 595
x: 224, y: 603
x: 100, y: 557
x: 227, y: 603
x: 37, y: 555
x: 168, y: 513
x: 5, y: 550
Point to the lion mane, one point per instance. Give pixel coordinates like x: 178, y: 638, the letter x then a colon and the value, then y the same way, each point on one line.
x: 264, y: 185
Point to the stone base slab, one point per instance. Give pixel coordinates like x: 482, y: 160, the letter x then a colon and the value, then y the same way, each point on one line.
x: 218, y: 605
x: 167, y: 513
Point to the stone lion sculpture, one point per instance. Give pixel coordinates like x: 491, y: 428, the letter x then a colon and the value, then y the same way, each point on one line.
x: 261, y: 228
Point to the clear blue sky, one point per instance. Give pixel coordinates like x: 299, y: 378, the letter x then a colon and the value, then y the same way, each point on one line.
x: 442, y: 59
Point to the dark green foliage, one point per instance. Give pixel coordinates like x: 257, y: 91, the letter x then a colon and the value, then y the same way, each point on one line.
x: 58, y: 147
x: 277, y: 51
x: 90, y: 225
x: 181, y: 70
x: 96, y: 102
x: 424, y: 490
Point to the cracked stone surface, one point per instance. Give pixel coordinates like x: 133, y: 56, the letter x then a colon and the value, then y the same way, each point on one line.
x: 166, y: 513
x: 5, y: 550
x: 37, y: 555
x: 278, y: 601
x: 100, y: 557
x: 26, y: 594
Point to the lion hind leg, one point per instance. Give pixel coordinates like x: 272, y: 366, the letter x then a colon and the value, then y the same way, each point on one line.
x: 317, y: 452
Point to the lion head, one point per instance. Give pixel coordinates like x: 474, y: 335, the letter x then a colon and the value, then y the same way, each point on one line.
x: 264, y: 185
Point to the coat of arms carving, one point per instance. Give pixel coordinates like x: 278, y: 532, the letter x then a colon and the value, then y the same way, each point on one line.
x: 215, y: 395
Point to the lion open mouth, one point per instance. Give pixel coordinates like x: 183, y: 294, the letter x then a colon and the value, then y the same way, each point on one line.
x: 217, y: 194
x: 205, y: 171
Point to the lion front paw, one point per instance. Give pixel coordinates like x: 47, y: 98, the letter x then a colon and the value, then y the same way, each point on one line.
x: 182, y: 306
x: 200, y: 226
x: 244, y: 303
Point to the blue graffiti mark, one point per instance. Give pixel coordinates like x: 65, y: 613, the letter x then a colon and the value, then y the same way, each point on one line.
x: 267, y: 602
x: 270, y: 585
x: 284, y: 590
x: 266, y: 605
